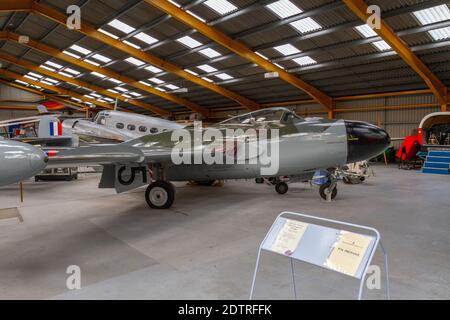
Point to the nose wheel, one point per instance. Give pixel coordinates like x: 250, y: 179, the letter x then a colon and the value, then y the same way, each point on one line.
x: 328, y: 191
x: 160, y: 195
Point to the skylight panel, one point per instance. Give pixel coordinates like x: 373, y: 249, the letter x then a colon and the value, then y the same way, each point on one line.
x: 207, y: 79
x: 119, y: 25
x: 47, y: 68
x: 196, y: 16
x: 65, y: 74
x: 287, y: 49
x: 46, y: 82
x: 72, y: 71
x: 57, y: 66
x: 131, y: 44
x: 92, y: 62
x: 191, y: 72
x: 210, y: 53
x: 153, y: 69
x: 382, y: 45
x: 99, y: 75
x: 108, y: 34
x: 101, y: 58
x: 432, y: 15
x: 135, y: 61
x: 156, y: 80
x: 172, y: 87
x: 115, y: 81
x: 145, y: 83
x: 121, y: 89
x: 440, y: 34
x: 366, y: 31
x: 160, y: 89
x: 284, y: 9
x: 34, y: 75
x: 306, y: 25
x: 80, y: 49
x: 224, y: 76
x: 221, y: 6
x: 21, y: 82
x: 73, y: 55
x: 145, y: 38
x: 304, y: 61
x: 135, y: 94
x: 189, y: 42
x: 51, y: 80
x: 207, y: 68
x: 113, y: 91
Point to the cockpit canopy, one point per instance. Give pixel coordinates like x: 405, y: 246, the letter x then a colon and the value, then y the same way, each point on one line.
x: 272, y: 115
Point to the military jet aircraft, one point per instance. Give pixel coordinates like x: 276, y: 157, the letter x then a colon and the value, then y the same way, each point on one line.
x: 19, y: 161
x: 295, y: 147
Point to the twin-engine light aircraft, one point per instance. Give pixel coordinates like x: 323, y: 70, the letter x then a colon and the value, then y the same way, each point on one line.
x: 267, y: 143
x: 19, y: 161
x: 117, y: 126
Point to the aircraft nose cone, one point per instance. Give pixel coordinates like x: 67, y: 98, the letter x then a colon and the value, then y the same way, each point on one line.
x: 38, y: 160
x: 365, y: 141
x: 19, y: 161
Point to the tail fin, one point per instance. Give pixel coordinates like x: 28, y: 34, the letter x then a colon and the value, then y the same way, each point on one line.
x: 50, y: 126
x: 42, y: 109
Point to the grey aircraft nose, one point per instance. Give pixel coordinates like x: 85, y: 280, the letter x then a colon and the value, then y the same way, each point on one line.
x: 19, y: 161
x: 365, y: 141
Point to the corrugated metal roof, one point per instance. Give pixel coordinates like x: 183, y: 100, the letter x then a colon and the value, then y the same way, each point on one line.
x: 345, y: 66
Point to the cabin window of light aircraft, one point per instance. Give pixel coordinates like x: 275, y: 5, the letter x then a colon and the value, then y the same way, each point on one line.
x: 154, y: 130
x: 120, y: 125
x: 131, y: 127
x: 142, y: 129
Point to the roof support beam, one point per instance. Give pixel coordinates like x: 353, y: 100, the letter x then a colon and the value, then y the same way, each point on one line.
x: 240, y: 49
x: 60, y: 91
x: 64, y: 57
x: 359, y: 7
x: 83, y: 108
x: 30, y: 66
x: 91, y: 32
x: 16, y: 5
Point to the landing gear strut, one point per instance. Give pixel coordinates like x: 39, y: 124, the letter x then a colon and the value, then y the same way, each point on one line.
x: 160, y: 195
x: 328, y: 190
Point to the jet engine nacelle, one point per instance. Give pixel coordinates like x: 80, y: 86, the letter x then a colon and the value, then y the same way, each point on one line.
x: 19, y: 161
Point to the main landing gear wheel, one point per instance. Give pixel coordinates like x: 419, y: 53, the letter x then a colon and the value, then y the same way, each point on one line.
x: 160, y: 195
x: 281, y: 187
x: 206, y: 183
x: 325, y: 189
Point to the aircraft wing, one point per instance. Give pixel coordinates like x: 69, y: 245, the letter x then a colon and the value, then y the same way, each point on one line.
x: 98, y: 155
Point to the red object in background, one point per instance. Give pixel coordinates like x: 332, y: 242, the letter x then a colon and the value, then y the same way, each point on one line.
x: 53, y: 105
x: 409, y: 148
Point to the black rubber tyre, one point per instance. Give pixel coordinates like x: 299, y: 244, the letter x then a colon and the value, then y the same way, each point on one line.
x: 259, y: 180
x: 160, y: 195
x: 362, y: 179
x: 205, y: 183
x: 281, y: 187
x: 324, y: 188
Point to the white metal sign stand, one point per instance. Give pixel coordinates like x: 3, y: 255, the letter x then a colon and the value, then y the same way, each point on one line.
x: 315, y: 244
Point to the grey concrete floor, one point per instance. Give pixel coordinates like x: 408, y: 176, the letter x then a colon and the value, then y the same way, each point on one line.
x: 205, y: 247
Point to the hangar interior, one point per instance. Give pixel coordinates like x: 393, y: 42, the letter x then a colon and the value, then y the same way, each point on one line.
x: 186, y: 60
